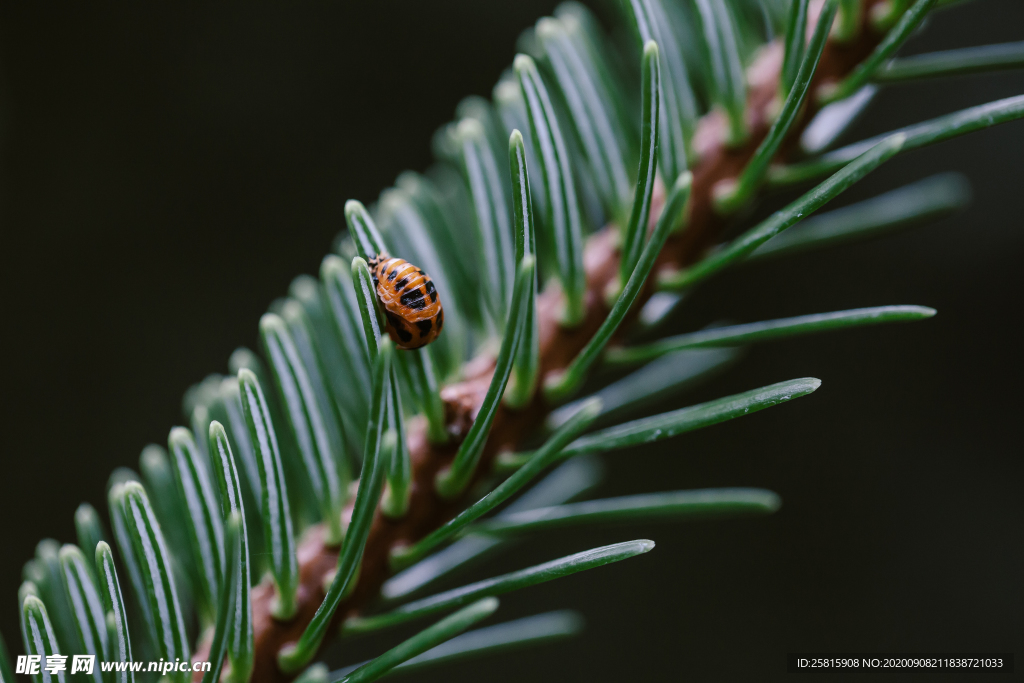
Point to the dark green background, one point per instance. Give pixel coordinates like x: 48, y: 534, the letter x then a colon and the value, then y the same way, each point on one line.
x: 168, y: 168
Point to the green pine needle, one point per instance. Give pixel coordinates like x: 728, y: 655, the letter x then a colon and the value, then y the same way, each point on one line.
x: 227, y: 614
x: 86, y: 605
x: 119, y: 527
x: 732, y: 197
x: 452, y: 481
x: 306, y: 421
x: 240, y: 640
x: 787, y: 217
x: 544, y: 456
x: 368, y: 241
x: 848, y: 26
x: 968, y: 60
x: 494, y: 232
x: 930, y: 198
x: 652, y: 385
x: 558, y: 388
x: 767, y: 330
x: 594, y: 122
x: 38, y: 637
x: 562, y: 221
x: 728, y: 80
x: 885, y: 49
x: 150, y: 552
x: 672, y: 505
x: 417, y: 369
x: 202, y: 520
x: 677, y: 103
x: 516, y: 634
x: 650, y: 120
x: 399, y: 473
x: 666, y: 425
x: 89, y: 530
x: 918, y: 135
x: 523, y: 381
x: 423, y: 641
x: 294, y: 657
x: 568, y: 481
x: 325, y: 426
x: 796, y: 40
x: 113, y: 603
x: 336, y: 277
x: 6, y: 671
x: 541, y: 573
x: 277, y: 520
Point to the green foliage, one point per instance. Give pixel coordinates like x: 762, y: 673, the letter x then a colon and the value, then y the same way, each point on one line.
x: 930, y: 198
x: 540, y: 460
x: 539, y: 628
x: 453, y: 481
x: 791, y: 215
x: 677, y: 103
x: 295, y: 657
x: 548, y: 571
x: 151, y: 555
x: 239, y: 641
x: 636, y: 230
x: 277, y: 519
x: 307, y: 422
x: 566, y: 482
x: 227, y: 612
x: 769, y: 329
x: 966, y: 60
x: 579, y: 111
x: 740, y: 193
x: 674, y: 504
x: 399, y: 470
x: 89, y: 530
x: 602, y: 135
x: 562, y: 386
x: 796, y: 40
x: 655, y: 428
x: 527, y: 355
x: 423, y: 641
x: 86, y: 606
x: 202, y: 519
x: 494, y: 234
x: 38, y: 637
x: 723, y: 53
x: 6, y: 672
x: 885, y: 49
x: 918, y: 135
x: 113, y: 603
x: 563, y: 222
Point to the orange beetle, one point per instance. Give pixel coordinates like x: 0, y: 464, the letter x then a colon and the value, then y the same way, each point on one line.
x: 411, y: 305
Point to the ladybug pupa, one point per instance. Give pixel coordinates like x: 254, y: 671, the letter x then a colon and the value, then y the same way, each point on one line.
x: 412, y: 309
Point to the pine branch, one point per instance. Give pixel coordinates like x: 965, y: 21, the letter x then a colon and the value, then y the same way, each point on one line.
x: 719, y: 160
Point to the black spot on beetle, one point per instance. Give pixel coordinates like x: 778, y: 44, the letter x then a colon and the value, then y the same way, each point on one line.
x: 401, y: 284
x: 424, y: 326
x: 413, y: 299
x: 440, y: 320
x: 431, y: 290
x: 398, y: 325
x: 393, y: 275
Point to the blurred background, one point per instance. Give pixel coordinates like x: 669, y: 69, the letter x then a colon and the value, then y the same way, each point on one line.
x: 168, y: 168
